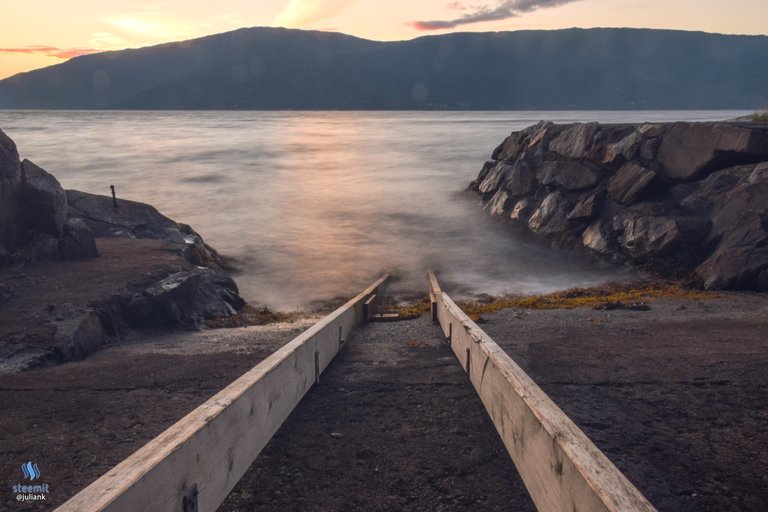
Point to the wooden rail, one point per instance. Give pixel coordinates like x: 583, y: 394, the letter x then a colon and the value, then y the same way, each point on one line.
x: 560, y: 466
x: 195, y: 463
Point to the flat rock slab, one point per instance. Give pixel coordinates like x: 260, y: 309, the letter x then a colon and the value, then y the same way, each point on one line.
x: 674, y: 396
x: 393, y: 425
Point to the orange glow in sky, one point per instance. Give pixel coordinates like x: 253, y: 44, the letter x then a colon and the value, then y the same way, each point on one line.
x: 38, y: 33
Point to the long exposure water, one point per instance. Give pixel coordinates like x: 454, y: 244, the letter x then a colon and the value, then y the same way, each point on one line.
x: 314, y: 205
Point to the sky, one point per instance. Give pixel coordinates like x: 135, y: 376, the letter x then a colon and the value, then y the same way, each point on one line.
x: 38, y: 33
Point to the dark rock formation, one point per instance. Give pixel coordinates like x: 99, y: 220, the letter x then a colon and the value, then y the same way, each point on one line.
x: 44, y: 203
x: 131, y: 219
x: 182, y: 299
x: 686, y: 200
x: 10, y: 183
x: 41, y: 222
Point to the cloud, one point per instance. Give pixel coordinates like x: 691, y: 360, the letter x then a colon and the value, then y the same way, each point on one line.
x: 51, y: 51
x: 501, y: 11
x: 304, y: 12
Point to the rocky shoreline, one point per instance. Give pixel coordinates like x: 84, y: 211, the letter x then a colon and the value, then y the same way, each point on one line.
x: 79, y: 270
x: 683, y: 200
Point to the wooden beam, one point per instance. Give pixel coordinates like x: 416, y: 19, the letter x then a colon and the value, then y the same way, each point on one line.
x: 203, y: 455
x: 560, y: 466
x: 368, y: 308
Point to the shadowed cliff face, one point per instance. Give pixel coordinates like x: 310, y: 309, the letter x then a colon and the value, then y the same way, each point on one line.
x: 270, y: 68
x: 686, y: 200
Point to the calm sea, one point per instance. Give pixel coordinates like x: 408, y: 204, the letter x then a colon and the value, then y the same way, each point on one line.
x: 313, y: 205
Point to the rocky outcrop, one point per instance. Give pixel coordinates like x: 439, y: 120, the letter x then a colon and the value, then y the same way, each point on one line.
x: 131, y: 219
x: 10, y: 183
x: 40, y: 222
x: 33, y: 214
x: 686, y: 200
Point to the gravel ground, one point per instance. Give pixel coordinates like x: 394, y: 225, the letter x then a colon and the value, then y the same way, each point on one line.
x: 78, y: 420
x: 393, y: 425
x: 675, y: 396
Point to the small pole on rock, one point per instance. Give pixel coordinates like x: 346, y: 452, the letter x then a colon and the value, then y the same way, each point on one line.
x: 114, y: 198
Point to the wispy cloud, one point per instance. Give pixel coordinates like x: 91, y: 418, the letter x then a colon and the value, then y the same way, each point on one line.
x: 51, y: 51
x: 500, y: 11
x: 300, y: 13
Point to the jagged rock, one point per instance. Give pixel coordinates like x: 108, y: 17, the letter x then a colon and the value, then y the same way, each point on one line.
x: 78, y: 241
x: 198, y: 253
x: 692, y: 150
x: 511, y: 147
x: 739, y: 231
x: 588, y: 208
x: 521, y: 179
x: 183, y: 299
x: 687, y: 199
x: 493, y: 178
x: 648, y: 238
x: 551, y: 215
x: 523, y: 209
x: 540, y: 133
x: 599, y: 237
x: 44, y: 201
x: 498, y: 203
x: 482, y: 174
x: 631, y: 182
x: 619, y: 152
x: 567, y: 175
x: 574, y: 141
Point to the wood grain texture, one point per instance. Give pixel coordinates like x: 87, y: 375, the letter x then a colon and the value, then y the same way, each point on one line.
x: 214, y: 445
x: 561, y: 467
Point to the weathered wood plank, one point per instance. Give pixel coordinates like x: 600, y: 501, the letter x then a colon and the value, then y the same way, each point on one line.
x: 214, y: 445
x: 560, y: 466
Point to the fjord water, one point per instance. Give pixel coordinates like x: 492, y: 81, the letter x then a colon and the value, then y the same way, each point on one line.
x: 314, y: 205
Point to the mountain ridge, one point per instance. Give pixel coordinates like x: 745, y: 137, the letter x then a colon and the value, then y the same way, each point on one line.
x: 265, y: 68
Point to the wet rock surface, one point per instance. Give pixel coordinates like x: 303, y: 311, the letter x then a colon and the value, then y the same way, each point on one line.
x: 683, y: 200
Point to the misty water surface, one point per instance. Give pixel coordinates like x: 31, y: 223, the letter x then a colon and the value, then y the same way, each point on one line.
x: 314, y: 205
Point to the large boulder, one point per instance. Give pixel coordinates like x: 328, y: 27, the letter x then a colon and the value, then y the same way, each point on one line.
x: 691, y: 150
x: 615, y: 154
x: 567, y: 175
x: 10, y: 182
x: 739, y: 231
x: 521, y: 178
x: 599, y: 237
x: 647, y: 238
x: 588, y: 208
x: 498, y: 203
x: 574, y: 141
x: 44, y: 202
x: 183, y: 299
x: 631, y: 182
x: 552, y: 215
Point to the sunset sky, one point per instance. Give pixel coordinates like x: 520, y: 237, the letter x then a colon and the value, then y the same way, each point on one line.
x: 37, y: 33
